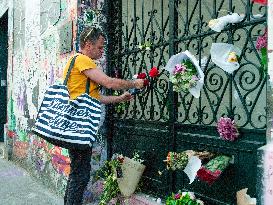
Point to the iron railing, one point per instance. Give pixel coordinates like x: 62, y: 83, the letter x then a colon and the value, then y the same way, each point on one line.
x: 159, y: 120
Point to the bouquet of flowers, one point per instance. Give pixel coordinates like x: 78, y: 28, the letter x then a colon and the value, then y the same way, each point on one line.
x: 219, y: 23
x: 110, y: 186
x: 213, y: 169
x: 179, y: 160
x: 121, y: 176
x: 225, y: 56
x: 153, y: 73
x: 185, y: 198
x: 131, y: 171
x: 227, y: 129
x: 185, y: 73
x: 261, y: 45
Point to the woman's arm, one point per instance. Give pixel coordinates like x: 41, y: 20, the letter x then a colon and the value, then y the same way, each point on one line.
x: 98, y: 76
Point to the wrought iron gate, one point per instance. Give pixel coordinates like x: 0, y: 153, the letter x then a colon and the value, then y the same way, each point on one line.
x: 143, y: 34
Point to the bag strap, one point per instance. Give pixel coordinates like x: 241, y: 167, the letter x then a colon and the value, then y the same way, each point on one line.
x: 70, y: 69
x: 87, y: 88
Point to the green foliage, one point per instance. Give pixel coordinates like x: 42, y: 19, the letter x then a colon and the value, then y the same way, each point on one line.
x: 119, y: 107
x: 178, y: 199
x: 110, y: 187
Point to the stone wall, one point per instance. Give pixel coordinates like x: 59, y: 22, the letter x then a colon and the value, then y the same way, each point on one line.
x: 42, y: 37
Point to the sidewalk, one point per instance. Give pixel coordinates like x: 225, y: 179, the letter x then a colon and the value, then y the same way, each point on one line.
x: 17, y: 187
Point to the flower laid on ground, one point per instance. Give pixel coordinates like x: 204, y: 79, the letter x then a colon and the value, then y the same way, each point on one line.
x: 117, y: 174
x: 176, y: 161
x: 213, y: 169
x: 227, y: 129
x: 261, y: 45
x: 179, y: 160
x: 110, y: 186
x: 184, y: 76
x: 183, y: 198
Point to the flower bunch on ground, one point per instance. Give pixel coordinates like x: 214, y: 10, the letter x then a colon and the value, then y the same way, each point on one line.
x: 110, y: 186
x: 183, y: 198
x: 176, y: 160
x: 227, y: 129
x: 184, y: 76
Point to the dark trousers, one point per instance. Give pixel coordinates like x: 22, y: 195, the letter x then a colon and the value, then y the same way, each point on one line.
x: 79, y: 176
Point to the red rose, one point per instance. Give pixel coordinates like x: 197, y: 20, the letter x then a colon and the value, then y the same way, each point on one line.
x: 141, y: 76
x: 146, y: 82
x: 153, y: 72
x: 262, y: 2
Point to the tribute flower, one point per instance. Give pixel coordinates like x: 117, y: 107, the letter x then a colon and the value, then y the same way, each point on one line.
x: 227, y: 129
x: 261, y: 45
x: 185, y: 73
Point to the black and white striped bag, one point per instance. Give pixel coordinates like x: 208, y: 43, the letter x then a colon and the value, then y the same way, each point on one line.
x: 68, y: 123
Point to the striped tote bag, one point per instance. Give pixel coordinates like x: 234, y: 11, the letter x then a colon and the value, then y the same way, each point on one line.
x: 68, y: 123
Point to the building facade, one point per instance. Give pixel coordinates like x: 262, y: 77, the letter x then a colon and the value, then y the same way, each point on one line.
x: 39, y: 36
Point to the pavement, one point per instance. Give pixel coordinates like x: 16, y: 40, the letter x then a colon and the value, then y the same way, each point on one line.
x: 17, y: 187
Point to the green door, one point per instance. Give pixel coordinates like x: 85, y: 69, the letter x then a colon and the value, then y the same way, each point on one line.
x: 3, y: 72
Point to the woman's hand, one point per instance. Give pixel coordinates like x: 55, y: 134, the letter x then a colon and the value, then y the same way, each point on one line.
x: 126, y: 96
x: 139, y: 83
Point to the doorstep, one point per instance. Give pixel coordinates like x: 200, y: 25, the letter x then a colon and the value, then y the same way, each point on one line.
x: 143, y: 199
x: 136, y: 199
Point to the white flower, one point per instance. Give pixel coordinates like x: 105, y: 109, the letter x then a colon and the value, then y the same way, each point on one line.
x: 135, y: 76
x: 213, y: 22
x: 158, y: 201
x: 191, y: 194
x: 141, y: 46
x: 147, y: 48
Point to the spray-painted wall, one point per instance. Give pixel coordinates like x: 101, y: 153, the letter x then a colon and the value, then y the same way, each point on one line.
x: 43, y: 34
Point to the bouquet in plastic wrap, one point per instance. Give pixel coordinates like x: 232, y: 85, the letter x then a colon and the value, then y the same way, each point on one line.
x: 189, y: 161
x: 225, y: 56
x: 185, y: 73
x: 211, y: 171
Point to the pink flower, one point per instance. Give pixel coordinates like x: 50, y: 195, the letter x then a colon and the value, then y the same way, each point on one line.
x: 261, y: 41
x: 179, y: 69
x: 177, y: 196
x: 194, y: 77
x: 227, y: 129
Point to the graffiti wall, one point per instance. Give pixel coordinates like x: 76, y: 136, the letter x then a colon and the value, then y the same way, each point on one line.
x: 42, y: 37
